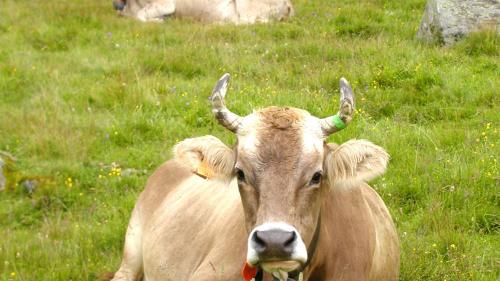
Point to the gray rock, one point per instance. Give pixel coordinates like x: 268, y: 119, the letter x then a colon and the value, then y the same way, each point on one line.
x: 29, y: 186
x: 446, y: 21
x: 3, y: 181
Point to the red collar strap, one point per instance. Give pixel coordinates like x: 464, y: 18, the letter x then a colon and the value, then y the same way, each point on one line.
x: 249, y: 272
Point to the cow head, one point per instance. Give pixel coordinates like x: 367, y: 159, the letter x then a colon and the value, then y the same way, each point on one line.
x: 119, y: 5
x: 283, y: 11
x: 284, y: 168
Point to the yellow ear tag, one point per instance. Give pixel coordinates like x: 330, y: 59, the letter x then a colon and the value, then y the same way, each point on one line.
x: 204, y: 171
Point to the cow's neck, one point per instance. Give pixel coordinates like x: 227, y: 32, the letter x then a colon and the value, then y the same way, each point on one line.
x: 311, y: 250
x: 316, y: 260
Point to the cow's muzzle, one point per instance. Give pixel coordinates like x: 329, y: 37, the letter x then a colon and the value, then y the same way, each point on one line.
x: 274, y: 243
x: 276, y: 246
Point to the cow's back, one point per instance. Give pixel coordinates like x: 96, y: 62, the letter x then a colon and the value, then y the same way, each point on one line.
x: 207, y: 10
x: 193, y: 227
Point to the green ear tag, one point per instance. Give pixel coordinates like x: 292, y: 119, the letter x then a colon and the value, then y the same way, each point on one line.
x: 337, y: 121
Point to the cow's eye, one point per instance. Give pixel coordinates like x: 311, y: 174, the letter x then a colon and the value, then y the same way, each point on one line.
x: 240, y: 175
x: 316, y: 178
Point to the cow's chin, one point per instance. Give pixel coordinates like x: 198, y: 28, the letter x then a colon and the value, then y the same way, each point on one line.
x: 274, y: 266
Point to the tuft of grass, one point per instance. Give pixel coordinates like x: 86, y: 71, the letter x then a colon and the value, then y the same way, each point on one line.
x: 483, y: 42
x: 91, y: 103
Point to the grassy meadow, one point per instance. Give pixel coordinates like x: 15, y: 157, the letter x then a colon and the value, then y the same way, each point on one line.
x: 91, y: 103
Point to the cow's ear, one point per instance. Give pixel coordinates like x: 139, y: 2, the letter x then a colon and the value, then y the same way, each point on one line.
x: 206, y: 156
x: 354, y: 161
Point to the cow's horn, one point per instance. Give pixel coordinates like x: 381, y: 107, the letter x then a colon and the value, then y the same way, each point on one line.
x: 225, y: 117
x: 339, y: 121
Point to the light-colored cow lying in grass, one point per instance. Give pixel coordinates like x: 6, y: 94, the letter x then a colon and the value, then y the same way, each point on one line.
x: 219, y: 11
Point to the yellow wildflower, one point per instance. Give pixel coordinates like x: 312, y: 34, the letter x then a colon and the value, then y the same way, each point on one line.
x: 69, y: 182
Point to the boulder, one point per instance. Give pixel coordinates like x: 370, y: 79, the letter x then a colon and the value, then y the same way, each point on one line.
x: 446, y: 21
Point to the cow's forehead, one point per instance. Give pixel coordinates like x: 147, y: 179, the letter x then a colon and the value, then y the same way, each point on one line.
x: 284, y: 128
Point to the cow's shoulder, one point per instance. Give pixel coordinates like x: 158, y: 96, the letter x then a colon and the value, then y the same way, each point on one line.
x: 163, y: 180
x: 347, y: 238
x: 355, y: 225
x: 385, y: 264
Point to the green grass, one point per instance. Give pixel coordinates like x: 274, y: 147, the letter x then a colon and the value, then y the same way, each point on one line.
x: 81, y: 88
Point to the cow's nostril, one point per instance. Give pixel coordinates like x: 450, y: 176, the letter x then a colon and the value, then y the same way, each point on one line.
x: 259, y: 240
x: 291, y: 240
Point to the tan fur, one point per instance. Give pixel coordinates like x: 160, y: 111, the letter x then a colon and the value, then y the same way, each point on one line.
x: 281, y: 117
x: 219, y: 11
x: 385, y: 262
x: 185, y: 227
x: 279, y: 135
x: 358, y: 241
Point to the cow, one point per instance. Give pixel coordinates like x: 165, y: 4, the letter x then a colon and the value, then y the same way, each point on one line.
x: 218, y: 11
x: 281, y: 205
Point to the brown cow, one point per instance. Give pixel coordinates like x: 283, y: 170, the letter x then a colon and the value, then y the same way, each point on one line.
x: 234, y: 11
x: 282, y: 204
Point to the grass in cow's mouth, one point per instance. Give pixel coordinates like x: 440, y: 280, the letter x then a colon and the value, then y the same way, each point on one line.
x: 91, y: 103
